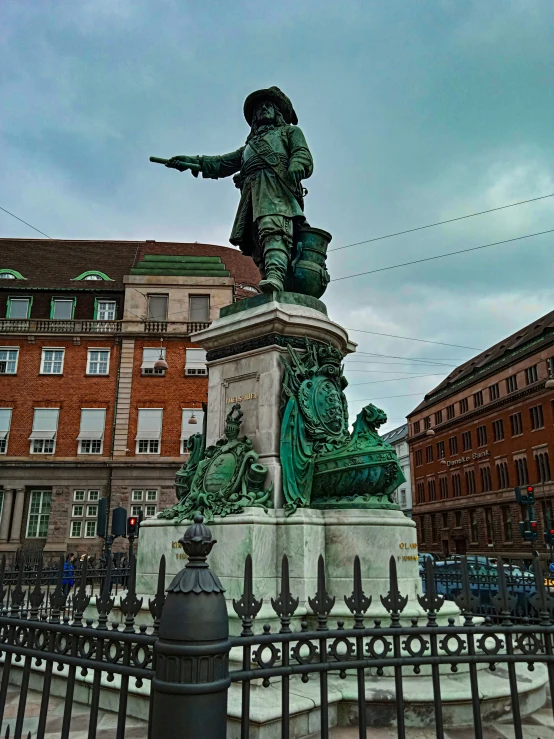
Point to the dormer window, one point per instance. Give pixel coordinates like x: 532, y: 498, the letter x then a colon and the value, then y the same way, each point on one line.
x: 93, y: 275
x: 11, y: 274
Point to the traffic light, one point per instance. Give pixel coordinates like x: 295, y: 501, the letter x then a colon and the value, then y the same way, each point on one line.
x: 118, y: 521
x: 132, y: 526
x: 529, y: 530
x: 525, y: 495
x: 549, y: 537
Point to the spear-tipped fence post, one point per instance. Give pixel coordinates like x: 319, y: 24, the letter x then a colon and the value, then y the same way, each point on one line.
x: 189, y: 692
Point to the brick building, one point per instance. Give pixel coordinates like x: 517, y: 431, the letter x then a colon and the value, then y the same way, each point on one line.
x: 485, y: 429
x: 84, y: 414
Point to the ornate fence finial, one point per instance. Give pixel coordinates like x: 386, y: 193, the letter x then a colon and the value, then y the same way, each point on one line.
x: 247, y: 607
x: 285, y: 605
x: 36, y: 596
x: 156, y: 604
x: 130, y: 605
x: 504, y: 601
x: 196, y: 577
x: 323, y: 603
x: 430, y: 601
x: 18, y: 594
x: 58, y: 597
x: 104, y: 603
x: 394, y: 602
x: 465, y: 600
x: 541, y: 599
x: 80, y: 598
x: 358, y: 602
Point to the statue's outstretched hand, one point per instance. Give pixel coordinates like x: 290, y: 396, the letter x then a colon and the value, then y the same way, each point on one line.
x: 183, y: 163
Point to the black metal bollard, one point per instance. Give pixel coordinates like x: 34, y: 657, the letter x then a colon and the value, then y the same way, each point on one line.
x: 189, y: 692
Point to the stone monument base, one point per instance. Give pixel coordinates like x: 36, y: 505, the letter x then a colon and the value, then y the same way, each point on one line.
x: 337, y: 535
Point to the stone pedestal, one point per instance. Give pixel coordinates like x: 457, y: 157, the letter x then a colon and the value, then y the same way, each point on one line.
x: 244, y: 351
x: 336, y: 535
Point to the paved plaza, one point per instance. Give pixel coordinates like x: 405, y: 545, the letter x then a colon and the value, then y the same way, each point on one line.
x: 538, y: 726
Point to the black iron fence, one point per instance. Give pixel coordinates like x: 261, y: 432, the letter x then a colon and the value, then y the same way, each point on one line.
x: 192, y: 665
x: 46, y: 573
x: 484, y: 583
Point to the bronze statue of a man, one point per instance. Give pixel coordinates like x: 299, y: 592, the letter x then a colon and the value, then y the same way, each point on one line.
x: 269, y: 170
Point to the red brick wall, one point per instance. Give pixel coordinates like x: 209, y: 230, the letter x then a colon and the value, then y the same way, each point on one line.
x: 172, y: 392
x: 70, y: 392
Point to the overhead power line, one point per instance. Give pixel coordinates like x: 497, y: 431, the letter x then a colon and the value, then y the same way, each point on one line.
x: 386, y: 397
x: 396, y: 379
x: 426, y: 360
x: 25, y: 222
x: 441, y: 223
x: 408, y: 338
x: 443, y: 256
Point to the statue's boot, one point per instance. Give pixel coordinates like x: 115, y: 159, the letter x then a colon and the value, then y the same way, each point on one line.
x: 276, y: 260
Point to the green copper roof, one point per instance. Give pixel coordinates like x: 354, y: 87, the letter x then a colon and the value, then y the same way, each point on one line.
x: 161, y: 264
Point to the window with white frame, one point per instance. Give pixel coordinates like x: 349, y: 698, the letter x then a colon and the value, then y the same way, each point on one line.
x: 5, y: 423
x: 45, y: 427
x: 188, y: 428
x: 150, y: 355
x: 106, y: 310
x: 62, y: 310
x: 52, y: 361
x: 39, y: 514
x: 195, y: 362
x: 98, y: 361
x: 199, y: 308
x: 19, y: 308
x: 84, y: 514
x: 149, y: 430
x: 145, y: 501
x: 91, y: 432
x: 8, y: 360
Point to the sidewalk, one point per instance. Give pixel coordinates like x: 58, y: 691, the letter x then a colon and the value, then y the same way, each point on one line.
x: 107, y: 722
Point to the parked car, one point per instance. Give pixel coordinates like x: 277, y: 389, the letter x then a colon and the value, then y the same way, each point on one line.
x: 483, y: 584
x: 421, y: 557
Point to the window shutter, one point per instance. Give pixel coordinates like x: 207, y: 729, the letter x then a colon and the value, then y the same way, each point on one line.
x: 45, y: 423
x: 92, y: 423
x: 5, y: 421
x: 149, y: 423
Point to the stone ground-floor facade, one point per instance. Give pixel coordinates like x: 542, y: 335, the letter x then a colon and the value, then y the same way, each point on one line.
x: 54, y: 506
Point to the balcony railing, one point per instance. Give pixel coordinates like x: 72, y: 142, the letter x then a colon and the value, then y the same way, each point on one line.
x: 39, y: 326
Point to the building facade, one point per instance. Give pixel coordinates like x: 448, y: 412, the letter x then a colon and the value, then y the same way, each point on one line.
x: 84, y: 413
x: 398, y: 438
x: 487, y: 428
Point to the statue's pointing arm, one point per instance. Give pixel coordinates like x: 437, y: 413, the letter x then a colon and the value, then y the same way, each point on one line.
x: 213, y: 167
x: 301, y: 165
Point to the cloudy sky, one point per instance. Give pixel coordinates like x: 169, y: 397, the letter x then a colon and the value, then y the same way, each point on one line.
x: 414, y: 112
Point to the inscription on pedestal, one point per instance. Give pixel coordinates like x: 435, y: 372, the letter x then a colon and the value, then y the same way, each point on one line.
x: 242, y: 389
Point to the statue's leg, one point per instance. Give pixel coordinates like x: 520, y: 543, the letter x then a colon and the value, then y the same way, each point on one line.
x: 275, y: 236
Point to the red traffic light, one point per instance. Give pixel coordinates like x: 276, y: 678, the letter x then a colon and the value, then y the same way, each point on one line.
x: 132, y: 521
x: 551, y: 532
x: 530, y: 488
x: 533, y: 524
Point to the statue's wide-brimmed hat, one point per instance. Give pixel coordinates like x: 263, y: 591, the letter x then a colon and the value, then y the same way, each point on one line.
x: 278, y: 98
